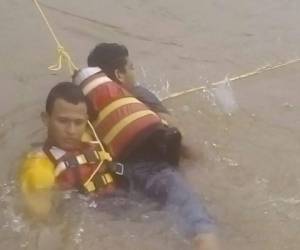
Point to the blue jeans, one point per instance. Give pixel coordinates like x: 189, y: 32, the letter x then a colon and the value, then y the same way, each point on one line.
x: 163, y: 183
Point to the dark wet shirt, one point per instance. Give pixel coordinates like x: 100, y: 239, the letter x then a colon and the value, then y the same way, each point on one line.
x: 163, y: 143
x: 148, y: 98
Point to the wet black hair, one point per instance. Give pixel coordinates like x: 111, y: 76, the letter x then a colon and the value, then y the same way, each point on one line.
x: 109, y: 57
x: 70, y: 93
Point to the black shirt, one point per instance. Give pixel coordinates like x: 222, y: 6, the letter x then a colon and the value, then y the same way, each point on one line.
x: 148, y: 98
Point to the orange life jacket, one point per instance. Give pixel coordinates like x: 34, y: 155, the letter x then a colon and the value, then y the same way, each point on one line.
x: 123, y: 121
x: 74, y: 169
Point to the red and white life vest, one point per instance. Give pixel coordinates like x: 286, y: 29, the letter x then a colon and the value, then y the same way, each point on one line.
x: 122, y: 119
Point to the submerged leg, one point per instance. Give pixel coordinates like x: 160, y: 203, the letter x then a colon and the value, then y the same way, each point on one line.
x: 163, y: 183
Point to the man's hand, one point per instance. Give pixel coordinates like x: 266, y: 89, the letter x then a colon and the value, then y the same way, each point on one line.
x: 186, y: 151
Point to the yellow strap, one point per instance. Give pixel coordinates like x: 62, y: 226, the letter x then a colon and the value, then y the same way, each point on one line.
x: 90, y: 186
x: 108, y: 178
x: 116, y: 129
x: 115, y: 105
x: 104, y: 156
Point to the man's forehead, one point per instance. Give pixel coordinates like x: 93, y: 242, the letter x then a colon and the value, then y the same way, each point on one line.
x: 63, y: 106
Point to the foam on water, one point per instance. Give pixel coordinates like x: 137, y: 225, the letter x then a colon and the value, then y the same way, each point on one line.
x: 224, y: 96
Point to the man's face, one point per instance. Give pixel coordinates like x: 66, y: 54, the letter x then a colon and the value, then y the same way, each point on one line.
x: 66, y: 124
x: 127, y: 77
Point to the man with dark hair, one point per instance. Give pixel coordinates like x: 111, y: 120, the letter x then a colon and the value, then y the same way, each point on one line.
x: 64, y: 161
x: 114, y: 60
x: 109, y: 83
x: 109, y: 57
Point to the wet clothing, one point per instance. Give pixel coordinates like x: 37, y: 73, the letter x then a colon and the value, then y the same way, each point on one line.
x: 152, y: 169
x: 164, y: 143
x: 49, y: 167
x: 148, y: 98
x: 37, y: 172
x: 155, y: 178
x: 164, y: 184
x: 122, y: 120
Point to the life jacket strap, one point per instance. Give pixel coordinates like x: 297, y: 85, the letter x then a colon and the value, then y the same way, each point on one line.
x: 71, y: 161
x: 89, y: 156
x: 99, y: 181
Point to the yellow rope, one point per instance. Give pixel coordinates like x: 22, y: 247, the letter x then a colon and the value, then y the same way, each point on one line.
x: 94, y: 173
x: 63, y: 55
x: 255, y: 72
x: 104, y: 156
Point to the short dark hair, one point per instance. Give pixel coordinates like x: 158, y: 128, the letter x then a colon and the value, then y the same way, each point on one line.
x: 109, y: 57
x: 67, y: 91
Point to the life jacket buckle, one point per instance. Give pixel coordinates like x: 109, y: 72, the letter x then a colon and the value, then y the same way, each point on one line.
x: 119, y: 168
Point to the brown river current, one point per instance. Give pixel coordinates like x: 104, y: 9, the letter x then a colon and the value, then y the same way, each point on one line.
x: 245, y: 133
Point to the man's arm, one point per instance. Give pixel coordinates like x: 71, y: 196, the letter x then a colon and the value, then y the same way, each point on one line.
x: 186, y: 151
x: 152, y: 101
x: 148, y: 98
x: 37, y: 183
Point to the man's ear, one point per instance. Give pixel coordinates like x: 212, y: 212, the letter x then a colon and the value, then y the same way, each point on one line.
x: 119, y: 75
x: 45, y: 118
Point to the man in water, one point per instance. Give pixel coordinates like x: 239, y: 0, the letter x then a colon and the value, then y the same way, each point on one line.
x: 151, y: 164
x: 64, y: 162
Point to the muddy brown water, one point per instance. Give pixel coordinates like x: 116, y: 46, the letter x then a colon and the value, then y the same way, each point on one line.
x: 247, y: 167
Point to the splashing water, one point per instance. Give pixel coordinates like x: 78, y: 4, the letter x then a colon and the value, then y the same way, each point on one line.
x: 224, y: 96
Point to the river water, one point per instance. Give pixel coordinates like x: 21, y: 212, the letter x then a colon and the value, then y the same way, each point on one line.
x: 245, y: 133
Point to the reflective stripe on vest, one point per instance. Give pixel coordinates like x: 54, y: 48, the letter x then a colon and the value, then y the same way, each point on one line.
x: 122, y: 121
x: 94, y: 84
x: 122, y: 118
x: 116, y: 129
x: 115, y: 105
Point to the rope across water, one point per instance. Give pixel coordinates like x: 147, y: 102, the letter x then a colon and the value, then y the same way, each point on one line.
x: 64, y: 57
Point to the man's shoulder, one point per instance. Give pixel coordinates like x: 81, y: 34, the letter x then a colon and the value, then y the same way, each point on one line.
x: 34, y: 153
x: 149, y: 98
x: 36, y: 159
x: 144, y: 93
x: 37, y: 170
